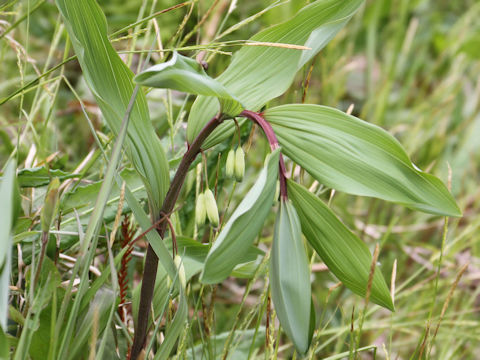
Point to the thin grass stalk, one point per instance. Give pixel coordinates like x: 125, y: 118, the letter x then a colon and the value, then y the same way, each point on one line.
x: 251, y: 315
x: 393, y: 279
x: 435, y: 291
x: 32, y: 318
x: 66, y: 60
x: 28, y: 85
x: 199, y: 23
x: 115, y: 288
x: 134, y: 38
x: 445, y: 305
x: 43, y: 250
x: 199, y: 303
x: 148, y: 18
x: 352, y: 334
x: 367, y: 295
x: 52, y: 324
x: 227, y: 347
x: 161, y: 315
x: 259, y: 319
x: 94, y: 336
x: 22, y: 18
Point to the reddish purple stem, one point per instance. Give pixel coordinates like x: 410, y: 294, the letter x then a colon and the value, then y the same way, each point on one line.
x: 273, y: 141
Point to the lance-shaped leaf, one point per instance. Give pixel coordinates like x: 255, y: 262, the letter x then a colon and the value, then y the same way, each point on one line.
x: 243, y: 226
x: 5, y: 346
x: 184, y: 74
x: 347, y: 257
x: 290, y: 277
x: 7, y: 217
x: 258, y: 74
x: 351, y: 155
x: 110, y: 81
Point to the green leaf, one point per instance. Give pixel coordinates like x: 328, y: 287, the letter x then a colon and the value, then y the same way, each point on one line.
x: 248, y: 269
x: 351, y: 155
x: 347, y: 257
x: 194, y: 253
x: 7, y: 213
x: 258, y: 74
x: 4, y: 346
x: 184, y: 74
x: 41, y: 176
x: 243, y: 226
x: 84, y: 196
x: 290, y: 277
x: 7, y: 187
x: 313, y: 321
x: 110, y: 81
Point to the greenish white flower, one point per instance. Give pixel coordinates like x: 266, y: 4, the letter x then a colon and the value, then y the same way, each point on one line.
x: 212, y: 210
x: 239, y: 164
x: 200, y: 210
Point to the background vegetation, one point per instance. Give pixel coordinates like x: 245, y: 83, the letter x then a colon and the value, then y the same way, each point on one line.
x: 410, y: 66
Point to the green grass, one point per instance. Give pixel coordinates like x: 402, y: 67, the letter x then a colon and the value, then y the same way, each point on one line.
x: 409, y: 66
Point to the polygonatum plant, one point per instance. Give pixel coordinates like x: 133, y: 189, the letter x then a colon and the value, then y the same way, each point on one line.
x: 338, y: 150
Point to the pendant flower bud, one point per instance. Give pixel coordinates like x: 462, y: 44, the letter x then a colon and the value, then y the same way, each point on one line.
x: 239, y: 164
x: 50, y: 207
x: 212, y: 210
x: 230, y: 165
x: 200, y: 210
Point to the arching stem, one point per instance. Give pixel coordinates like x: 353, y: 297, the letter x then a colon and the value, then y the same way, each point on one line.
x: 272, y: 140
